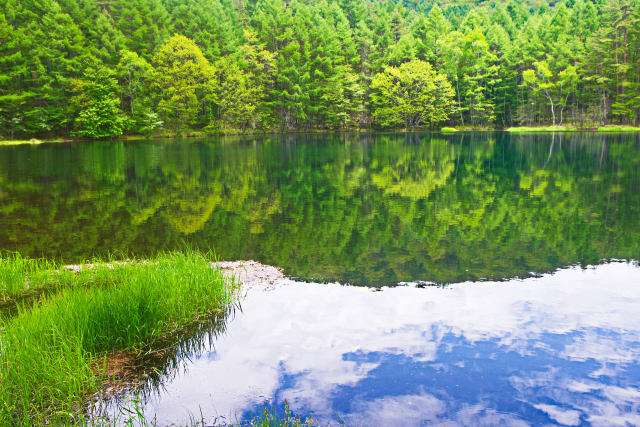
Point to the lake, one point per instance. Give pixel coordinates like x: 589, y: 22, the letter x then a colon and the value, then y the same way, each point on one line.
x: 562, y: 349
x: 518, y: 293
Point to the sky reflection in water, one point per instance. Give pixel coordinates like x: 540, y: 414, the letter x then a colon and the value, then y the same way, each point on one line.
x: 562, y: 349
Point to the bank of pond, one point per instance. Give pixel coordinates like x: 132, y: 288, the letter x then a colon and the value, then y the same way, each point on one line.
x: 444, y: 130
x: 60, y: 348
x: 175, y: 339
x: 500, y: 226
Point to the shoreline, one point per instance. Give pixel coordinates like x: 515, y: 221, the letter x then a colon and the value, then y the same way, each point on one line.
x: 123, y: 369
x: 444, y: 130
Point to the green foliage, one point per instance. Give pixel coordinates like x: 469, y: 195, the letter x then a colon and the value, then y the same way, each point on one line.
x: 270, y: 418
x: 184, y: 82
x: 95, y: 98
x: 555, y: 87
x: 19, y: 274
x: 411, y: 95
x: 285, y: 65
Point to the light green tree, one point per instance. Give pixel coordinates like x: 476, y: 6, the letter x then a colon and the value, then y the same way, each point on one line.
x: 133, y: 73
x: 555, y: 87
x: 184, y: 83
x: 411, y: 95
x: 238, y: 98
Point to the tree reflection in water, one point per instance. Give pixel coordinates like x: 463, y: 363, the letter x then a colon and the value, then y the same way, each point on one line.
x: 369, y: 209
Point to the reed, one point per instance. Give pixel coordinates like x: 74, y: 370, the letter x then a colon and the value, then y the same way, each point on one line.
x: 270, y: 418
x: 53, y: 352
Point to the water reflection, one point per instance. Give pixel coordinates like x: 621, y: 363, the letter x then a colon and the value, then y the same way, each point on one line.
x: 363, y: 209
x: 145, y: 376
x: 562, y: 348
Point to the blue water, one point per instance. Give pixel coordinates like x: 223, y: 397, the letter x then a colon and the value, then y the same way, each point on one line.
x: 560, y: 349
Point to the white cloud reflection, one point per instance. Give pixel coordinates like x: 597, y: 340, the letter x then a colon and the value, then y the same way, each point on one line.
x: 291, y: 344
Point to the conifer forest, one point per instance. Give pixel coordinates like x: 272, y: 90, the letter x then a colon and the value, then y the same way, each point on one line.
x: 105, y: 68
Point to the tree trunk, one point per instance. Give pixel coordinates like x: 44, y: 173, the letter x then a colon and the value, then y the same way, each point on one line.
x: 604, y: 106
x: 624, y: 59
x: 459, y: 103
x: 553, y: 111
x: 604, y: 98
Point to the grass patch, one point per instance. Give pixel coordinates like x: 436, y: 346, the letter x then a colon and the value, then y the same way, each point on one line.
x: 469, y: 128
x: 527, y: 129
x: 32, y: 141
x: 619, y: 129
x: 21, y: 277
x: 270, y: 418
x: 53, y: 353
x: 448, y: 129
x: 19, y: 274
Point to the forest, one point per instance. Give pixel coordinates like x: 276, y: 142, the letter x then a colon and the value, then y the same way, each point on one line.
x: 105, y: 68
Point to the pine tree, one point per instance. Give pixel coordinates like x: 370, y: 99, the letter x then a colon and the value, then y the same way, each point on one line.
x: 479, y: 77
x: 275, y: 26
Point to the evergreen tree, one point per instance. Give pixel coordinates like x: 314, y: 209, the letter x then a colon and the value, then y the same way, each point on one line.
x: 290, y: 64
x: 287, y: 98
x: 145, y: 24
x: 135, y: 76
x: 478, y: 77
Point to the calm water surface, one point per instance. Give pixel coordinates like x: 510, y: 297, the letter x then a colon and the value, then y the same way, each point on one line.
x: 361, y: 209
x: 520, y: 333
x: 559, y: 349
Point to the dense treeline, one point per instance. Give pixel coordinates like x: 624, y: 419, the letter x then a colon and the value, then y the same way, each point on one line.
x: 95, y: 68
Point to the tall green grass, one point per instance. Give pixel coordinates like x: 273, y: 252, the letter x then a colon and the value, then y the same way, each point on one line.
x: 270, y: 418
x: 51, y: 352
x: 19, y: 274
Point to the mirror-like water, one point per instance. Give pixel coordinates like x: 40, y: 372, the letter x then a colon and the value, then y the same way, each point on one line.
x: 477, y: 210
x: 562, y: 349
x: 363, y: 209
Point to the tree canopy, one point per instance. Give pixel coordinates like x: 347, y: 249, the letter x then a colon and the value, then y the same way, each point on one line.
x: 411, y: 95
x: 218, y: 65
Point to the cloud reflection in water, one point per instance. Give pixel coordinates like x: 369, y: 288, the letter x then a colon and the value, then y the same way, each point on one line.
x: 562, y: 348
